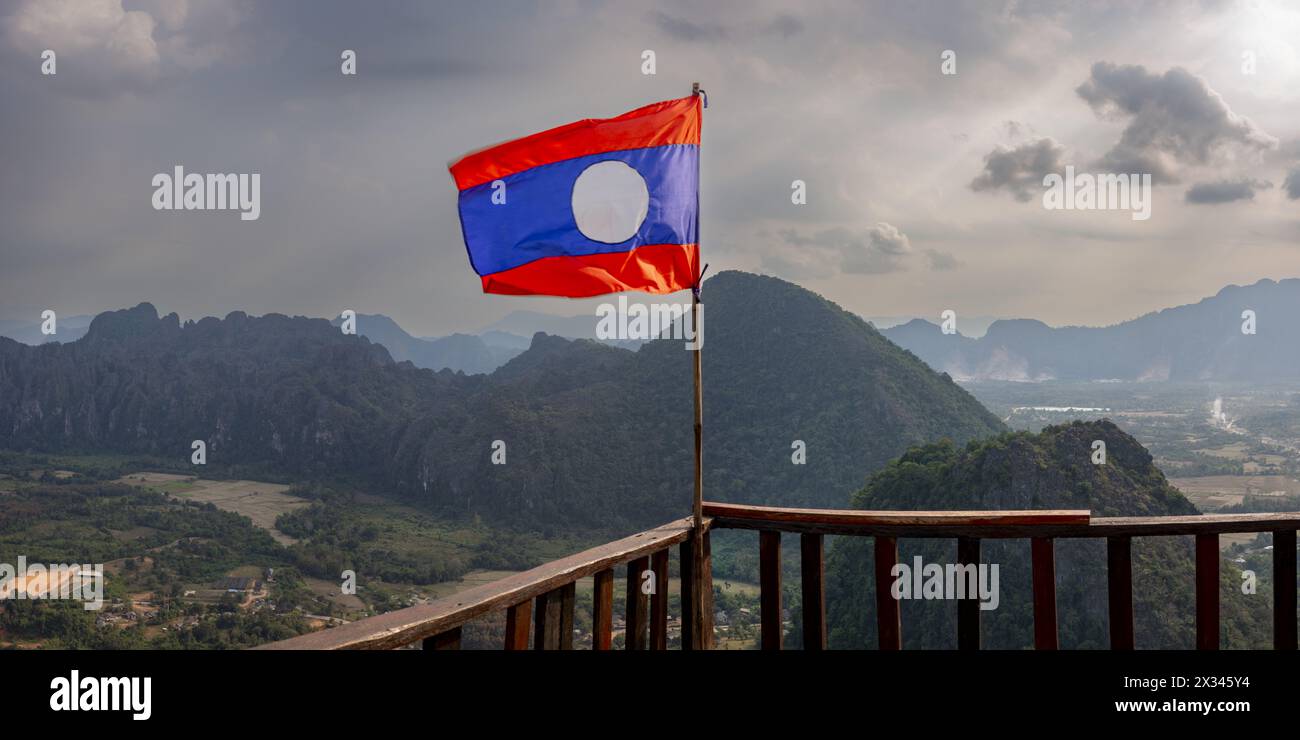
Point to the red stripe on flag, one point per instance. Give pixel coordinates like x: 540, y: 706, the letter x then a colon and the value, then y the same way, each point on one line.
x: 657, y: 124
x: 652, y: 268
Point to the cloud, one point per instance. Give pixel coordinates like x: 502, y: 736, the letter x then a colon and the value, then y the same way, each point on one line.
x: 1225, y: 191
x: 878, y: 250
x: 111, y: 49
x: 851, y: 101
x: 99, y: 34
x: 1174, y: 120
x: 683, y: 29
x: 818, y: 255
x: 882, y: 251
x: 1292, y: 184
x: 941, y: 261
x: 1020, y: 170
x: 784, y: 26
x: 888, y: 239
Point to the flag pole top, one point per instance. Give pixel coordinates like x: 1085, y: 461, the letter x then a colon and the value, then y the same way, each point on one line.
x: 695, y: 90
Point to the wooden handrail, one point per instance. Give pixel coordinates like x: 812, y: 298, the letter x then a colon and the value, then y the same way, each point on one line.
x: 1042, y: 528
x: 438, y: 624
x: 405, y: 626
x: 986, y: 524
x: 920, y: 519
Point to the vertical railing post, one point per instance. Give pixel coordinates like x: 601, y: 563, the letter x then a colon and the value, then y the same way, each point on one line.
x: 968, y: 609
x: 602, y: 609
x: 706, y: 578
x: 1207, y: 592
x: 659, y: 601
x: 1284, y: 590
x: 812, y: 569
x: 1119, y: 590
x: 553, y: 621
x: 517, y: 619
x: 686, y: 560
x: 769, y: 578
x: 888, y: 620
x: 697, y: 631
x: 635, y: 634
x: 568, y: 597
x: 1044, y: 577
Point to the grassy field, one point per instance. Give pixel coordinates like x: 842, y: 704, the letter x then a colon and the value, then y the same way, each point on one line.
x: 1211, y: 492
x: 346, y: 604
x: 260, y: 502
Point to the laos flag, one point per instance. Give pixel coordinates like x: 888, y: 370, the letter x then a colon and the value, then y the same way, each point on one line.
x: 597, y: 206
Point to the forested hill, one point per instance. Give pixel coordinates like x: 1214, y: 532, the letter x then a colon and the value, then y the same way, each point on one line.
x: 595, y: 436
x: 1049, y: 470
x: 781, y: 364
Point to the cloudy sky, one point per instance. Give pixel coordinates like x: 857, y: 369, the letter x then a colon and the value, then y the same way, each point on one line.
x: 924, y: 189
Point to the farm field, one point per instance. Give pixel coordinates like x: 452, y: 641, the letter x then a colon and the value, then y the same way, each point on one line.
x: 259, y: 501
x: 346, y: 604
x: 1211, y: 492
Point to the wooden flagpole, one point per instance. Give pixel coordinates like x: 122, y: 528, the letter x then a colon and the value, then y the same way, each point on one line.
x: 695, y: 324
x: 699, y: 412
x: 701, y: 580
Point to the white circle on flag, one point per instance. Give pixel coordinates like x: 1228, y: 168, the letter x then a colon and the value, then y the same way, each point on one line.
x: 610, y: 201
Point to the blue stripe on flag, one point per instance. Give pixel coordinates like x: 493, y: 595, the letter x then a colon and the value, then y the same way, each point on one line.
x: 537, y: 220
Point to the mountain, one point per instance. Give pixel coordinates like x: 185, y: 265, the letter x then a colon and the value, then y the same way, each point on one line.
x: 1049, y: 470
x: 505, y: 340
x: 68, y: 329
x: 595, y: 436
x: 946, y: 352
x: 460, y: 352
x: 472, y: 353
x: 971, y: 326
x: 782, y: 364
x: 467, y: 353
x: 527, y: 323
x: 1203, y: 341
x: 517, y: 324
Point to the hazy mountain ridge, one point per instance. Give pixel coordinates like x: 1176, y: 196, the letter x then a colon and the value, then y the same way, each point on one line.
x: 1200, y: 341
x: 465, y: 353
x: 68, y: 329
x: 595, y: 436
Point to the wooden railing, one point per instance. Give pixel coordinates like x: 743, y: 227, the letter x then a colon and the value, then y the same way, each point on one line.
x: 542, y: 599
x: 544, y: 596
x: 1042, y: 528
